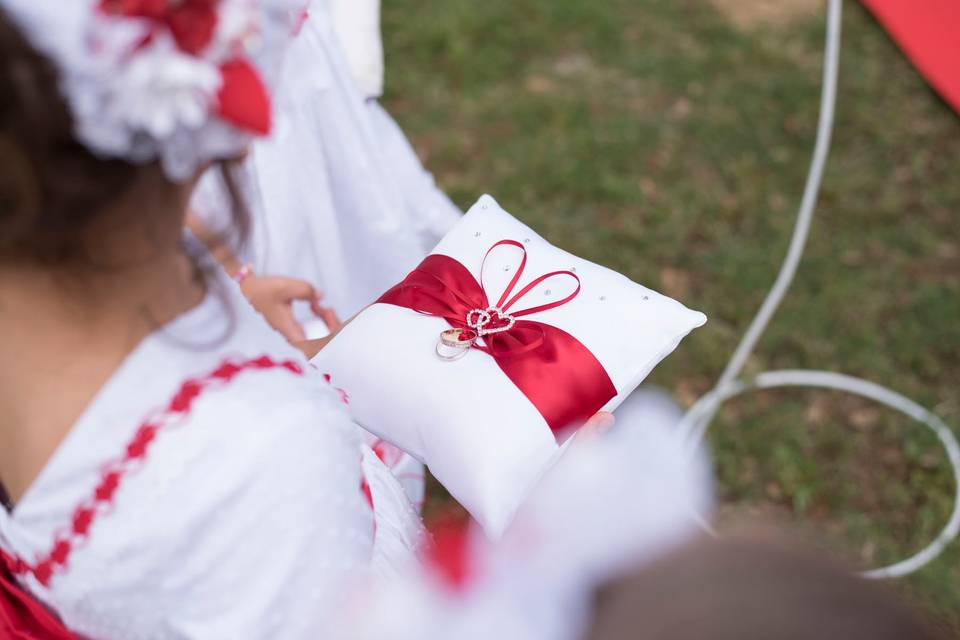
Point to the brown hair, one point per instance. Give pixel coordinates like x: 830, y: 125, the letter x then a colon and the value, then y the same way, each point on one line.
x: 51, y: 186
x: 751, y: 587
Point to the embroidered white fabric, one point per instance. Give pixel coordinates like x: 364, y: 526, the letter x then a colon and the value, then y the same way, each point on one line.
x: 247, y: 520
x: 399, y: 532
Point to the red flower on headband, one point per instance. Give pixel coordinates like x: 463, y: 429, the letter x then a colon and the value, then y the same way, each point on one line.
x: 191, y: 22
x: 243, y: 99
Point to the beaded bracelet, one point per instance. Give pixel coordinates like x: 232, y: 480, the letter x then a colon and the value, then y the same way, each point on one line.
x: 245, y: 271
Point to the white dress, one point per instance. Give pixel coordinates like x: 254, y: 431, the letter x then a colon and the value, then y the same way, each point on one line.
x: 339, y: 197
x: 212, y: 489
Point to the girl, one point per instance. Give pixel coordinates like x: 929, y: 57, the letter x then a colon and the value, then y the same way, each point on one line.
x: 171, y: 467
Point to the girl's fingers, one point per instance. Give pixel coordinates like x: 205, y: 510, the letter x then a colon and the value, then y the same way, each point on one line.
x: 289, y: 327
x: 329, y: 317
x: 298, y: 290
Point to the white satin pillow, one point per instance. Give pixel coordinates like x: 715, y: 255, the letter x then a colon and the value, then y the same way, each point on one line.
x: 479, y: 434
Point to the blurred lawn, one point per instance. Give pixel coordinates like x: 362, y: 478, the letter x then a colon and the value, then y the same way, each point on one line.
x: 654, y: 137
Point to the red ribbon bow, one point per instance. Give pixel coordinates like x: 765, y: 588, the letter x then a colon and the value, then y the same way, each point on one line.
x: 557, y: 373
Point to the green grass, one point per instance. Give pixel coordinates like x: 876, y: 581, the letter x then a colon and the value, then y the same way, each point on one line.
x: 655, y: 138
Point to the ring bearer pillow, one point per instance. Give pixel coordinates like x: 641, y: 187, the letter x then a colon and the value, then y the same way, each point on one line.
x: 481, y: 361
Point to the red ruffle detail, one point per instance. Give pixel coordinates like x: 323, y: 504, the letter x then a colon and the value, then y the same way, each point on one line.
x: 192, y: 23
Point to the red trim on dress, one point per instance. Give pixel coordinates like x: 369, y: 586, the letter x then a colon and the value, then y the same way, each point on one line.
x: 22, y: 617
x: 114, y: 472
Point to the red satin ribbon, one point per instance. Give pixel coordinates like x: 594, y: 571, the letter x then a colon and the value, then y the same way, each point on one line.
x: 21, y: 616
x: 560, y: 376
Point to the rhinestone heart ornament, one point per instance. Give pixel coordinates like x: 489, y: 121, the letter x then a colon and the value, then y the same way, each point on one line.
x: 454, y: 343
x: 477, y: 318
x: 490, y: 320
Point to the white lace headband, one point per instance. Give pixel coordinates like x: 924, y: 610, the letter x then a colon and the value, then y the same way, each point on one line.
x: 180, y: 81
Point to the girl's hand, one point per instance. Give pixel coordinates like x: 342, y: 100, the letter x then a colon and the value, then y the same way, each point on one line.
x: 273, y: 297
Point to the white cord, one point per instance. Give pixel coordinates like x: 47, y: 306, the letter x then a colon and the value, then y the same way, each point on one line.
x: 699, y: 417
x: 827, y: 380
x: 828, y: 100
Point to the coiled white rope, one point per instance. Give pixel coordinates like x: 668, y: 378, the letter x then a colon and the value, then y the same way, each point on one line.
x: 697, y: 420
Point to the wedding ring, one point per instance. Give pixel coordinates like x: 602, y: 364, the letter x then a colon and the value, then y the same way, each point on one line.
x: 450, y: 354
x: 455, y: 343
x: 458, y: 337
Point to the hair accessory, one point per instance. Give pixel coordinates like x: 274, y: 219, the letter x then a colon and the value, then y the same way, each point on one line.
x: 179, y: 81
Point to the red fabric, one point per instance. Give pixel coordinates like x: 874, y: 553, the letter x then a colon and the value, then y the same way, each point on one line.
x: 928, y: 31
x: 555, y: 371
x: 192, y: 23
x: 243, y: 99
x: 448, y: 554
x: 367, y: 494
x: 22, y: 617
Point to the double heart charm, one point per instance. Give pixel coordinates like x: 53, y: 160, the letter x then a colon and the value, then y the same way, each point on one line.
x: 489, y: 320
x: 455, y: 343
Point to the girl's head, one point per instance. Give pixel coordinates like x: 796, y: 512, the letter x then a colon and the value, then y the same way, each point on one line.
x: 109, y: 112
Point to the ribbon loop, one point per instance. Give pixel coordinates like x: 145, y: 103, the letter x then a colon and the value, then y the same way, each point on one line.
x: 504, y: 304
